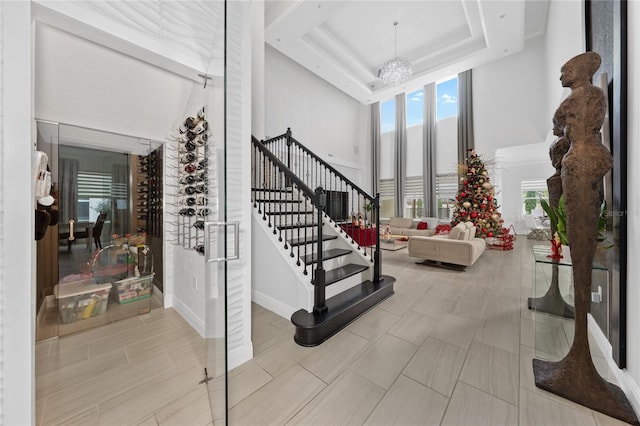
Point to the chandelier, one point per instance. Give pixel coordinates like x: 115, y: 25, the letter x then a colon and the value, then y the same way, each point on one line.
x: 398, y: 69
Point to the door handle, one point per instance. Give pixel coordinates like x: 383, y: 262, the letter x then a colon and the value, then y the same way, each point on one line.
x: 208, y: 230
x: 71, y: 237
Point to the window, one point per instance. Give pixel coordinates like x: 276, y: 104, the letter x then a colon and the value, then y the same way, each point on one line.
x: 446, y: 190
x: 414, y: 182
x: 532, y: 191
x: 414, y: 206
x: 95, y: 194
x: 387, y: 156
x: 447, y: 99
x: 386, y: 190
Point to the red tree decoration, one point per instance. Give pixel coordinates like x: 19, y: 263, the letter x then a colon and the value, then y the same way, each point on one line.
x: 476, y: 201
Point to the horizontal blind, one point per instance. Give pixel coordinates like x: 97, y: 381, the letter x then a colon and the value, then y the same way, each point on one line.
x: 446, y: 186
x: 537, y: 185
x: 100, y: 185
x: 386, y: 188
x: 95, y: 185
x: 413, y: 187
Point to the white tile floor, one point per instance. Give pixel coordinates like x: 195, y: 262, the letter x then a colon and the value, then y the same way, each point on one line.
x: 449, y: 347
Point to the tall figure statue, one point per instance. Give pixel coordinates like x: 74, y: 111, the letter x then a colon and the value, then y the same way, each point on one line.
x: 583, y: 168
x: 552, y: 302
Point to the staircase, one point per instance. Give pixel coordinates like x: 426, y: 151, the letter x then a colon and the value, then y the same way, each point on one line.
x: 304, y: 201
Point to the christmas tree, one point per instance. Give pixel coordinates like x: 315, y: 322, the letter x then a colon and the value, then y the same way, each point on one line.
x: 476, y: 201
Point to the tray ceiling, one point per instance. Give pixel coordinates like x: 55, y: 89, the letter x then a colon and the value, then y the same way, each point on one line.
x: 346, y: 42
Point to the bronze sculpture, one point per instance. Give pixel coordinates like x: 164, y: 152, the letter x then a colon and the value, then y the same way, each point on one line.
x: 552, y: 301
x: 583, y: 168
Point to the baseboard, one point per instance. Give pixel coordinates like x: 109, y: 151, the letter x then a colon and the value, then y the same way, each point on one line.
x: 190, y: 317
x: 272, y: 304
x: 624, y: 379
x: 240, y: 355
x: 43, y: 309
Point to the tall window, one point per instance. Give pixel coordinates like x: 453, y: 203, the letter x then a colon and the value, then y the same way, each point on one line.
x: 446, y: 146
x: 387, y: 151
x: 446, y: 190
x: 446, y: 151
x: 414, y: 184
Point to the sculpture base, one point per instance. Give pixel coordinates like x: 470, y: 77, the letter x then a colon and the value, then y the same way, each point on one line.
x: 583, y: 386
x: 552, y: 304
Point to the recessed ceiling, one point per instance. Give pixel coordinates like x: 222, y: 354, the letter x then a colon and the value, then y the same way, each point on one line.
x: 346, y: 42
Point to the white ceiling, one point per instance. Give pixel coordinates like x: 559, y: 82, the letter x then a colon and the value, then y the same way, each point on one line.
x: 342, y: 41
x: 346, y: 42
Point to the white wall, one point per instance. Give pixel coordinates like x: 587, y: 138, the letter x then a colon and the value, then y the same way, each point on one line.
x: 563, y: 40
x: 82, y: 83
x: 512, y: 166
x: 321, y: 117
x: 633, y: 268
x: 509, y: 100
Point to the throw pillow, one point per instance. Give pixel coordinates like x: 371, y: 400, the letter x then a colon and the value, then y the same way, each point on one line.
x: 443, y: 229
x: 456, y: 231
x: 423, y: 225
x: 472, y: 230
x: 464, y: 235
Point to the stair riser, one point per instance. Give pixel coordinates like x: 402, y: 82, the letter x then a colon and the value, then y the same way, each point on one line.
x: 335, y: 262
x: 347, y: 283
x: 262, y: 195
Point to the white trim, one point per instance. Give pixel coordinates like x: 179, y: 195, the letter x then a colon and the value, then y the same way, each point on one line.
x: 624, y: 379
x: 189, y: 316
x: 239, y: 355
x: 285, y: 311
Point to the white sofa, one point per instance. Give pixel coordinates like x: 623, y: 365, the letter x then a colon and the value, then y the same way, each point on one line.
x: 459, y: 248
x: 406, y: 227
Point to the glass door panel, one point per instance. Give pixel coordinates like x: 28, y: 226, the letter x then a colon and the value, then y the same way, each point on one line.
x: 105, y: 268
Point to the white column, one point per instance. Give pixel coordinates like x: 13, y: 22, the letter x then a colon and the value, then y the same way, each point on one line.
x: 17, y: 245
x: 257, y: 70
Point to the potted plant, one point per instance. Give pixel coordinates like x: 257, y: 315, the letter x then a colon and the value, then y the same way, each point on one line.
x: 558, y: 218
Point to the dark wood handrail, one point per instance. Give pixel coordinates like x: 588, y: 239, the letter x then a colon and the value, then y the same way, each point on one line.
x: 321, y: 161
x: 288, y: 173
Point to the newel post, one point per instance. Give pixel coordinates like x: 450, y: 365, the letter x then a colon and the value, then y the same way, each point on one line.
x: 319, y: 306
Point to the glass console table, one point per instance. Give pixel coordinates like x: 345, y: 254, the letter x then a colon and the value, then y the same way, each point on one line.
x: 552, y: 305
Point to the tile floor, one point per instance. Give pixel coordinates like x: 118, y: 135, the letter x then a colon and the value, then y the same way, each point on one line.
x: 448, y: 348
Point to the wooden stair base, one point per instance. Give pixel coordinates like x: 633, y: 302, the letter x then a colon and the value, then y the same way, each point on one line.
x: 342, y: 309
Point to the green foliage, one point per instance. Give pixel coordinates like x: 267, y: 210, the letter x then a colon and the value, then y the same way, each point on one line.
x: 530, y: 202
x: 558, y: 218
x: 104, y: 206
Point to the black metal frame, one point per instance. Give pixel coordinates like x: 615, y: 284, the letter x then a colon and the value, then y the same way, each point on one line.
x: 605, y: 19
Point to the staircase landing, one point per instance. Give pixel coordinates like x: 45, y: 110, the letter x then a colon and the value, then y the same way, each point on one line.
x: 342, y: 309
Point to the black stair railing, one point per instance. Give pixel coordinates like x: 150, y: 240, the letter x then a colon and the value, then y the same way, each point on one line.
x: 294, y: 211
x: 352, y: 209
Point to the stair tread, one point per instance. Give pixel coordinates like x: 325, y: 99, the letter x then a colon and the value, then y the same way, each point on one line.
x: 291, y: 212
x: 342, y: 309
x: 270, y: 200
x: 302, y: 225
x: 345, y: 271
x: 287, y: 190
x: 326, y: 255
x: 310, y: 239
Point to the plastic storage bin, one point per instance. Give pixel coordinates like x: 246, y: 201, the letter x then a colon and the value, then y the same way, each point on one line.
x: 134, y: 288
x: 78, y: 300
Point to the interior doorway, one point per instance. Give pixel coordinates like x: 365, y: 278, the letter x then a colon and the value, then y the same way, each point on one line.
x: 96, y: 264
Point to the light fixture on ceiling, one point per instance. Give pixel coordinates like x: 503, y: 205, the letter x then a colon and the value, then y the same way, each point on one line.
x: 398, y: 69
